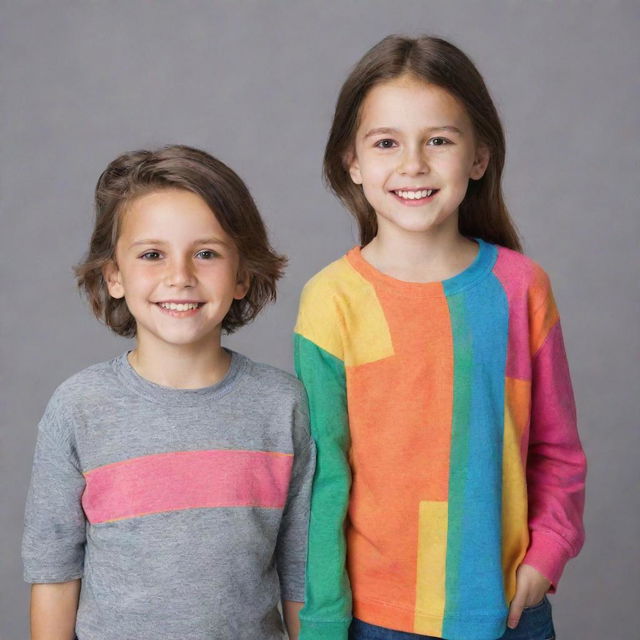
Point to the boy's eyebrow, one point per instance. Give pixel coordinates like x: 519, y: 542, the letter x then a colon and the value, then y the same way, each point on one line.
x: 382, y: 130
x: 146, y: 241
x: 212, y: 240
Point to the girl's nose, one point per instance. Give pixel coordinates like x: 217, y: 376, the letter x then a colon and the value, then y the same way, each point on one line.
x: 180, y: 274
x: 413, y: 162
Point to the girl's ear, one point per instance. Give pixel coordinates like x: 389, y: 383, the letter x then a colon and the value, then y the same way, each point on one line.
x: 113, y: 278
x: 351, y: 163
x: 480, y: 162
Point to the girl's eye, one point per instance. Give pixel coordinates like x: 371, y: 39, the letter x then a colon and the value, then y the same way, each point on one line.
x: 438, y: 142
x: 150, y: 255
x: 206, y: 254
x: 387, y: 143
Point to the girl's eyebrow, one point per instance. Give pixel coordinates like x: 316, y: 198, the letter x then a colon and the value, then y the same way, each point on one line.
x: 145, y: 241
x: 379, y: 130
x: 391, y: 130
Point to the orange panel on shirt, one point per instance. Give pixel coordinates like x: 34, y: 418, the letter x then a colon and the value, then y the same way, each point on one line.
x: 409, y: 395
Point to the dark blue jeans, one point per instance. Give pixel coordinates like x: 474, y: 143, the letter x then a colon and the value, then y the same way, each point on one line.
x: 535, y: 624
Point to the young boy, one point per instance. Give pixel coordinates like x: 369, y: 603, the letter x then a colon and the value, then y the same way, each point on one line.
x: 170, y: 487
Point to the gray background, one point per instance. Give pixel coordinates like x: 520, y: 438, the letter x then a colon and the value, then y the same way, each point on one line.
x: 255, y: 84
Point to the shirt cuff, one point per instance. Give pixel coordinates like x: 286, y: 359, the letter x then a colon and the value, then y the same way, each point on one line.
x: 548, y: 556
x: 313, y: 630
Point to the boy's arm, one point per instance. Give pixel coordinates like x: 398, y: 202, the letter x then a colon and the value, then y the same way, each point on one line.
x: 556, y: 464
x: 53, y: 610
x: 291, y: 546
x: 55, y: 524
x: 291, y: 611
x: 326, y: 614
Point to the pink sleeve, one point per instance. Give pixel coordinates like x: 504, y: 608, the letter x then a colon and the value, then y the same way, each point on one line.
x: 556, y: 464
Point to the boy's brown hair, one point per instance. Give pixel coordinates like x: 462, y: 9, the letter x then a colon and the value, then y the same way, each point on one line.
x: 137, y: 173
x: 483, y: 212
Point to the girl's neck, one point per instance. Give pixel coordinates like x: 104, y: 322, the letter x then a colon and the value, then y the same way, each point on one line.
x: 180, y: 367
x: 420, y: 257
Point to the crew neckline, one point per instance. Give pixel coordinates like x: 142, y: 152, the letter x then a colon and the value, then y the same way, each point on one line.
x: 482, y: 264
x: 133, y: 381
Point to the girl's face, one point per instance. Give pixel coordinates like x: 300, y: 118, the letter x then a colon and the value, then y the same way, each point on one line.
x: 414, y: 153
x: 177, y: 269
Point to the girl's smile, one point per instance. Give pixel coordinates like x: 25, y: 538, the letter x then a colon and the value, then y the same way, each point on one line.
x: 414, y: 197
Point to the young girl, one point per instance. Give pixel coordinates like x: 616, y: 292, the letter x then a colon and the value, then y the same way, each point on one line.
x: 169, y: 496
x: 448, y: 494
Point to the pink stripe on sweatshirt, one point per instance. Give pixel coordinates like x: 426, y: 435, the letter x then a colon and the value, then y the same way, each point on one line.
x: 186, y: 480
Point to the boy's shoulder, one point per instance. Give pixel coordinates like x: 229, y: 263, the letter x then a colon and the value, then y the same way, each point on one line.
x: 97, y: 375
x: 274, y: 381
x: 83, y: 387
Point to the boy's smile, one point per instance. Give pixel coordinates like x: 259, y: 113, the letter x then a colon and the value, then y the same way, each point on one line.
x: 177, y: 269
x: 180, y: 308
x: 414, y: 154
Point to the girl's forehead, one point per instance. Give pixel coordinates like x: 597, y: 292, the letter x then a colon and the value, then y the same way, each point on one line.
x: 410, y: 99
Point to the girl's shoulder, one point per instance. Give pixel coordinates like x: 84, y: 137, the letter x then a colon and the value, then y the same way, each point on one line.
x: 328, y: 278
x: 339, y: 280
x: 520, y: 271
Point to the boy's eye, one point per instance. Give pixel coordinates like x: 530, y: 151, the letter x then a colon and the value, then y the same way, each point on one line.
x: 387, y: 143
x: 206, y: 254
x: 150, y: 255
x: 438, y: 141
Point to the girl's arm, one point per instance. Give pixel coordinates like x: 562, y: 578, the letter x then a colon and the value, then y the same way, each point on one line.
x: 53, y: 610
x: 326, y: 614
x: 556, y: 464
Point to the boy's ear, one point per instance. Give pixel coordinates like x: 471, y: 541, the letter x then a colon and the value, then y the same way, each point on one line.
x: 112, y: 277
x: 350, y: 162
x: 480, y: 162
x: 242, y: 284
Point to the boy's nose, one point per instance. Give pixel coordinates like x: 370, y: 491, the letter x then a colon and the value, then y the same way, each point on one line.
x: 179, y: 274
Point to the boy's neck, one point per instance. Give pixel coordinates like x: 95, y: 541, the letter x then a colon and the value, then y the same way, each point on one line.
x: 420, y: 257
x: 181, y: 368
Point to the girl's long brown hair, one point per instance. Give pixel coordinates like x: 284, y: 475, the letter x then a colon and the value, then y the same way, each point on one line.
x: 483, y: 212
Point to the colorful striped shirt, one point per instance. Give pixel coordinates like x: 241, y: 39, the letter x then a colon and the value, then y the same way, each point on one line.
x: 447, y: 449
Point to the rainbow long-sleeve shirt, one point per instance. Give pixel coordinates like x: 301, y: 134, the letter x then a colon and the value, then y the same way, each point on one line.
x: 447, y: 449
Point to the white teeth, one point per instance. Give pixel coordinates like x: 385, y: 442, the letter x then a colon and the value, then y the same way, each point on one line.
x: 172, y: 306
x: 415, y: 195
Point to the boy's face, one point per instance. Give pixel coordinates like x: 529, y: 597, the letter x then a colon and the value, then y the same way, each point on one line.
x: 177, y: 269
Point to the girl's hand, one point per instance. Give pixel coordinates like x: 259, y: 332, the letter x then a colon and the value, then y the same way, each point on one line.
x: 531, y: 586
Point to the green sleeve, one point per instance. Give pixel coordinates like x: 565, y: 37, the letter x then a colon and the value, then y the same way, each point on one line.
x: 326, y: 614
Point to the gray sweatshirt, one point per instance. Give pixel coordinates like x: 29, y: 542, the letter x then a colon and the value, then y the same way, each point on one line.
x: 184, y: 512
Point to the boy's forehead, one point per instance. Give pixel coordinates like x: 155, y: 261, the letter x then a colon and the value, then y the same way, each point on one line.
x: 169, y: 214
